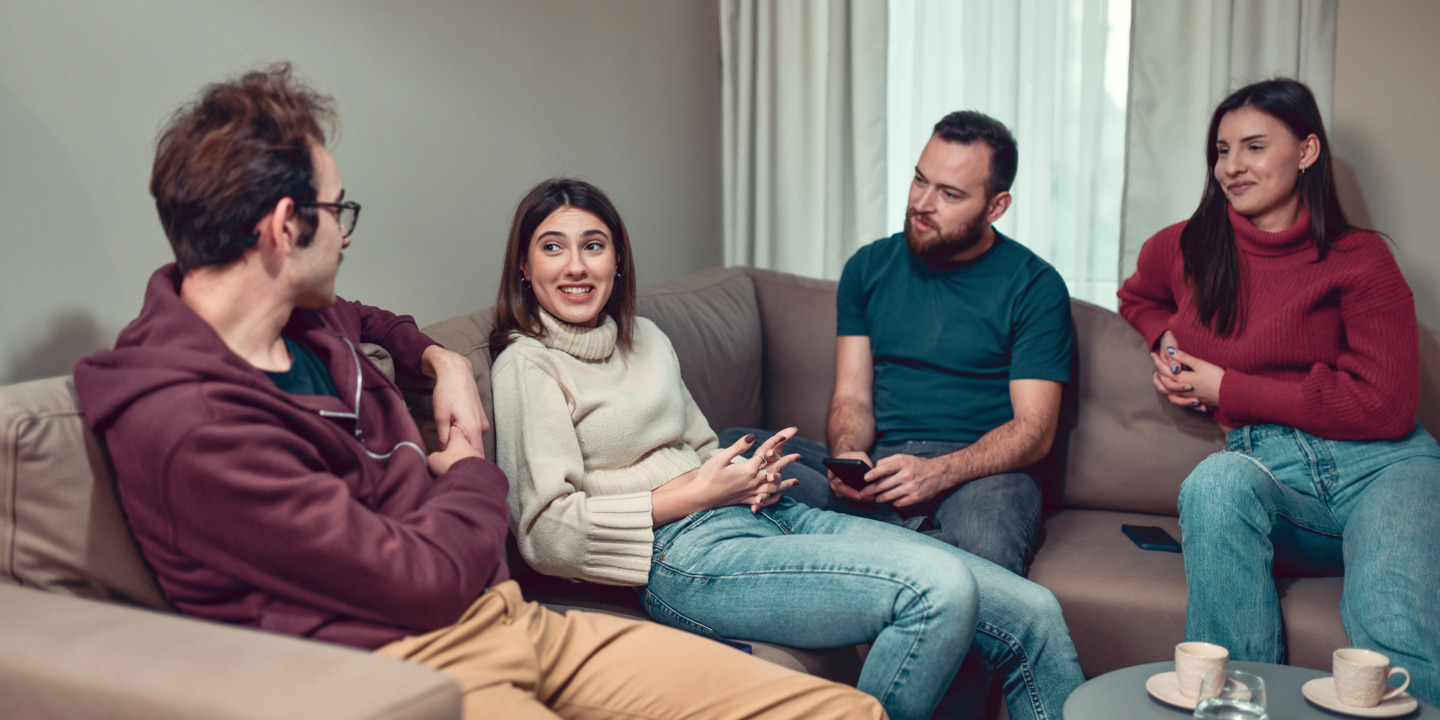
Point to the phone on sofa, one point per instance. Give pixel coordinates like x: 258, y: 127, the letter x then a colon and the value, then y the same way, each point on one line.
x: 1151, y: 537
x: 850, y: 471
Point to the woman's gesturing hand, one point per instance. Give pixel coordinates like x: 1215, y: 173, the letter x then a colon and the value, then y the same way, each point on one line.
x: 1184, y: 379
x: 724, y: 481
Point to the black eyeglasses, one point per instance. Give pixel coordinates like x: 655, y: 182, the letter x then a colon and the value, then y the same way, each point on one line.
x: 346, y: 213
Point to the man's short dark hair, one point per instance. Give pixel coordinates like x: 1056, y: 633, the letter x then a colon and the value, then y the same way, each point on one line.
x: 967, y: 126
x: 225, y: 159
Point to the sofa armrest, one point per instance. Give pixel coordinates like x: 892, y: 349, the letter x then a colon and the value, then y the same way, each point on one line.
x: 66, y: 657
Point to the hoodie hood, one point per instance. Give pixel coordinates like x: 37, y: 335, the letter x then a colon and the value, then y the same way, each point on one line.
x: 169, y: 344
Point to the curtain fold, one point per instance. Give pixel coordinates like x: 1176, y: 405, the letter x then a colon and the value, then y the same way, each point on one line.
x: 1185, y: 57
x: 803, y: 100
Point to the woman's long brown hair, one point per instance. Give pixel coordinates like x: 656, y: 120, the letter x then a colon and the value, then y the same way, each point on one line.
x: 1214, y: 266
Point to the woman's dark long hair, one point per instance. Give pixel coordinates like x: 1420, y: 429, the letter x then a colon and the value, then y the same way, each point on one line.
x: 1214, y: 267
x: 516, y: 309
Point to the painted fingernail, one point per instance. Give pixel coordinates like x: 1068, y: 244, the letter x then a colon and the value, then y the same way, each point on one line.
x: 1171, y: 350
x: 1191, y: 388
x: 749, y: 438
x: 1175, y: 369
x: 1194, y: 403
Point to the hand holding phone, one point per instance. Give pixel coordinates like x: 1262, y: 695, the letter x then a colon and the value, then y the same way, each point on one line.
x: 850, y: 471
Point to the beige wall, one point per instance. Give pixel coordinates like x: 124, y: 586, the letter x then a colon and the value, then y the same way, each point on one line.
x: 452, y: 109
x: 1387, y: 109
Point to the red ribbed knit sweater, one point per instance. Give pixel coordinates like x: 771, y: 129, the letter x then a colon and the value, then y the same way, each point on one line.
x: 1331, y: 348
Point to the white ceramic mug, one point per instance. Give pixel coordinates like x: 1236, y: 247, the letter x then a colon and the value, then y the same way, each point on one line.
x: 1193, y: 660
x: 1362, y: 677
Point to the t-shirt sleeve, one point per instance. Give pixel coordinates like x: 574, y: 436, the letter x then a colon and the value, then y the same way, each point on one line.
x: 850, y: 299
x: 1043, y: 341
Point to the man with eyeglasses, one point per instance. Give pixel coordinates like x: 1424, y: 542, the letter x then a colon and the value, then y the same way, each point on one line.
x: 274, y: 479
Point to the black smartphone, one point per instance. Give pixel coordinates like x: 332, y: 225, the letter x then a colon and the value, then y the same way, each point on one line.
x: 850, y: 471
x: 1150, y: 537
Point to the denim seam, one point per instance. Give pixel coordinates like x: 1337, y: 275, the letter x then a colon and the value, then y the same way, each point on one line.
x: 1027, y: 674
x: 708, y: 631
x: 661, y: 548
x: 1316, y: 461
x: 910, y: 655
x: 1276, y: 512
x: 1304, y: 525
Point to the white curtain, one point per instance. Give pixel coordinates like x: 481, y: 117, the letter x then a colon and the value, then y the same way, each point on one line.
x: 1054, y: 71
x: 803, y: 85
x: 1185, y: 58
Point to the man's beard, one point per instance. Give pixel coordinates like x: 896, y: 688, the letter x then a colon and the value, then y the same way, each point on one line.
x: 944, y: 246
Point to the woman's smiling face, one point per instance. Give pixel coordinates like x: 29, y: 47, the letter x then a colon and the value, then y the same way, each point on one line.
x: 1258, y: 166
x: 571, y: 265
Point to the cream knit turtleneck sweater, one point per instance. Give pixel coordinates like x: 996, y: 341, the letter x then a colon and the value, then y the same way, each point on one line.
x: 585, y: 430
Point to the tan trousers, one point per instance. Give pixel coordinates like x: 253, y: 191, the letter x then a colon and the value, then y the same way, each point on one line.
x: 516, y: 659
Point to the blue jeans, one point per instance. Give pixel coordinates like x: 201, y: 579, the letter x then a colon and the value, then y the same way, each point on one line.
x: 799, y: 576
x: 996, y: 517
x: 1281, y: 501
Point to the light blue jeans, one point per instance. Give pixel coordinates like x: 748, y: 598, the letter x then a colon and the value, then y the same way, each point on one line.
x: 1279, y: 501
x: 799, y: 576
x: 996, y: 517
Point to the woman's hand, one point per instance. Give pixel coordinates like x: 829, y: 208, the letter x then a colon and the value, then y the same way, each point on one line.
x: 723, y: 481
x: 1184, y: 379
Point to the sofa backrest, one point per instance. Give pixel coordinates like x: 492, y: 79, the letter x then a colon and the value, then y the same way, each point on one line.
x: 1129, y: 449
x: 61, y: 528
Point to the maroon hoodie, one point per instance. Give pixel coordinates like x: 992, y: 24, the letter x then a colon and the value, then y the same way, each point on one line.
x: 304, y: 515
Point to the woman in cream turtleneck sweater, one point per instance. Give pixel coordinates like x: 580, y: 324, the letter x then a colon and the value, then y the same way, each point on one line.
x: 617, y: 478
x: 1296, y: 332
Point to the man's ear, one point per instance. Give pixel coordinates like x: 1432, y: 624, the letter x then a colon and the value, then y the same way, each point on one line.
x: 997, y: 206
x: 280, y: 228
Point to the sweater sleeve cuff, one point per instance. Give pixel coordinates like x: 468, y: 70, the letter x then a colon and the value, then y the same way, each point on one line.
x: 1249, y: 399
x: 621, y: 538
x: 1151, y: 326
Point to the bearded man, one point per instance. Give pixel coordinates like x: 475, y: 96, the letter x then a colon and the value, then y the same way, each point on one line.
x: 954, y: 345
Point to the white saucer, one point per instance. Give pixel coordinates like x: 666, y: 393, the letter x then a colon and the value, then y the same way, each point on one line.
x: 1321, y: 691
x: 1165, y: 687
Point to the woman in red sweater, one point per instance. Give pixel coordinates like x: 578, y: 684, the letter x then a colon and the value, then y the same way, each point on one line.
x: 1296, y: 332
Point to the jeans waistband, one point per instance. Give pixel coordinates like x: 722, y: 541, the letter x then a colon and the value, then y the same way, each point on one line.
x: 1244, y: 438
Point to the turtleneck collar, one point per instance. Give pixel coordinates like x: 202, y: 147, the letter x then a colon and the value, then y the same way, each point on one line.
x: 581, y: 342
x: 1255, y: 241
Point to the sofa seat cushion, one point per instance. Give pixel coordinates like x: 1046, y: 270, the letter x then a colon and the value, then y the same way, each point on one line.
x: 1126, y: 606
x: 61, y: 528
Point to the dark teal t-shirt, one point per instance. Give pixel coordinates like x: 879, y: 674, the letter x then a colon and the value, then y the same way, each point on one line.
x: 947, y: 341
x: 307, y: 375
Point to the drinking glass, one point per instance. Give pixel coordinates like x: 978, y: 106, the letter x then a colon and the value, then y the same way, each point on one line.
x: 1231, y: 695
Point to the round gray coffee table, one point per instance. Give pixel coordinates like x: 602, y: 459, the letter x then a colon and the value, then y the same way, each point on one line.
x: 1121, y: 694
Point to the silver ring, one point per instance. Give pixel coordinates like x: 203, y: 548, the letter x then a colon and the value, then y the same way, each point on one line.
x: 764, y: 461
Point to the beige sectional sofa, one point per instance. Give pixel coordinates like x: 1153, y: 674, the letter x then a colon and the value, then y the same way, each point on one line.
x: 85, y: 632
